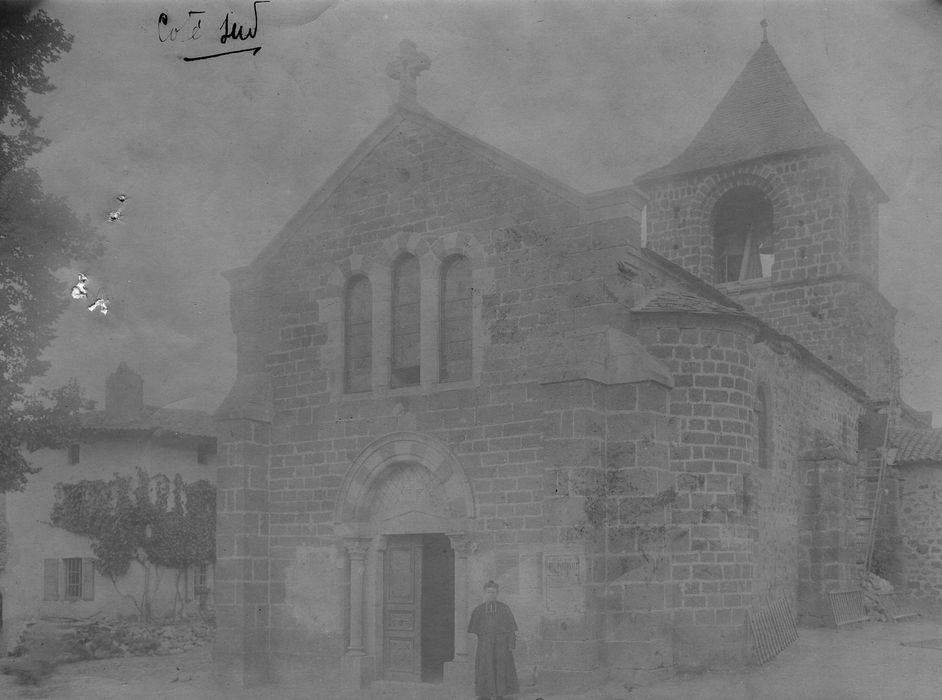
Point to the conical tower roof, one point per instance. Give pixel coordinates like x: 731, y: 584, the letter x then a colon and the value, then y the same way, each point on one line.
x: 763, y: 113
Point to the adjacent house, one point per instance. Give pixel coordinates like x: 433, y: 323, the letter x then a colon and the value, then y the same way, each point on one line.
x: 51, y: 572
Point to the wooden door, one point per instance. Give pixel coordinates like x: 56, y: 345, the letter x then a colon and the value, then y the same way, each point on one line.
x: 402, y: 609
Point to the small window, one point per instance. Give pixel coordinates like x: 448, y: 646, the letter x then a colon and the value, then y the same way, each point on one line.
x: 201, y: 584
x: 455, y: 335
x: 202, y: 454
x: 74, y: 453
x: 763, y: 418
x: 404, y: 370
x: 73, y: 578
x: 69, y: 579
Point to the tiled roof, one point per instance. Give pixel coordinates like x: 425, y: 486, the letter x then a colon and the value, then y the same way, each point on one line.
x: 671, y: 301
x: 917, y: 445
x: 151, y: 419
x: 763, y: 113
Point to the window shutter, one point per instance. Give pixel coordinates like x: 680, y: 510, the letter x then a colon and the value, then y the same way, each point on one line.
x: 88, y: 579
x: 50, y: 579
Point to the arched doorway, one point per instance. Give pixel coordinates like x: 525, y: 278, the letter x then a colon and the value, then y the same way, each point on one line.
x: 417, y: 617
x: 403, y: 512
x: 742, y: 235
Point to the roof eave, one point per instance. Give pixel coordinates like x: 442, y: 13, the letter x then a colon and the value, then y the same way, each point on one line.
x: 882, y: 196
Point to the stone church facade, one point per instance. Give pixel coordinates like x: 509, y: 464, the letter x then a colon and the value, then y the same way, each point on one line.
x: 637, y: 410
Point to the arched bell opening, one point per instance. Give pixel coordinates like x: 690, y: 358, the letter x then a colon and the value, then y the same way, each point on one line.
x: 743, y: 245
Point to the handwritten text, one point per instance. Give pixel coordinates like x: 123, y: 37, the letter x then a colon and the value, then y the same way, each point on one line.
x: 231, y: 31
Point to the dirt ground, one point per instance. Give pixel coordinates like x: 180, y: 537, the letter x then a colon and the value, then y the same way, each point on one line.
x: 864, y: 663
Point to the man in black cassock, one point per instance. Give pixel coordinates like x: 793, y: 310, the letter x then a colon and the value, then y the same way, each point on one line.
x: 494, y: 673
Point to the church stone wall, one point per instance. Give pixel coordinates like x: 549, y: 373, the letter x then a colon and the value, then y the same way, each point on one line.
x: 634, y: 592
x: 802, y: 188
x: 711, y: 563
x: 628, y: 525
x: 823, y: 287
x: 844, y: 321
x: 804, y: 408
x: 243, y: 573
x: 544, y: 273
x: 631, y: 526
x: 622, y: 500
x: 740, y: 534
x: 887, y: 558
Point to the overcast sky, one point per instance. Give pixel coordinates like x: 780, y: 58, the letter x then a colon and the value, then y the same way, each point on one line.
x: 216, y: 155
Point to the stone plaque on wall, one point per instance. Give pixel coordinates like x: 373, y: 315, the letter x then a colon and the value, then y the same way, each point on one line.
x: 562, y: 579
x: 506, y: 565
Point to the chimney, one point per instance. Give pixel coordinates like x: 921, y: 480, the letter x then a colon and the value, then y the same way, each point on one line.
x: 124, y: 394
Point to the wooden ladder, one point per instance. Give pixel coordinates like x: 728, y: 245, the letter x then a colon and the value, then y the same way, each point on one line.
x: 868, y: 500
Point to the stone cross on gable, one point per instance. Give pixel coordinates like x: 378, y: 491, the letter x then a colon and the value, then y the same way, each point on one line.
x: 406, y: 69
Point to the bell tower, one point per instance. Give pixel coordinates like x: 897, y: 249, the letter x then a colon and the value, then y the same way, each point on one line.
x: 783, y: 218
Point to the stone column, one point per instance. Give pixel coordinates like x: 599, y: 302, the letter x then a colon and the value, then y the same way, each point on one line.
x: 356, y: 550
x: 460, y: 544
x: 355, y: 665
x: 457, y: 671
x: 4, y: 526
x: 242, y: 592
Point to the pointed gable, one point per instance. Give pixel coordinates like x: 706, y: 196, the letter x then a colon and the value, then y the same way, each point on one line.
x: 589, y: 208
x: 405, y: 117
x: 763, y: 113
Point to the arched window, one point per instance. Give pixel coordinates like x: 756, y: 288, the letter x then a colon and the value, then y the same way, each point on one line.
x: 358, y: 335
x: 405, y: 322
x: 455, y: 336
x: 742, y: 235
x: 764, y: 436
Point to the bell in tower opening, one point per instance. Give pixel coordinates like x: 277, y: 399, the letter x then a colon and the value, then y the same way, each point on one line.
x: 742, y: 234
